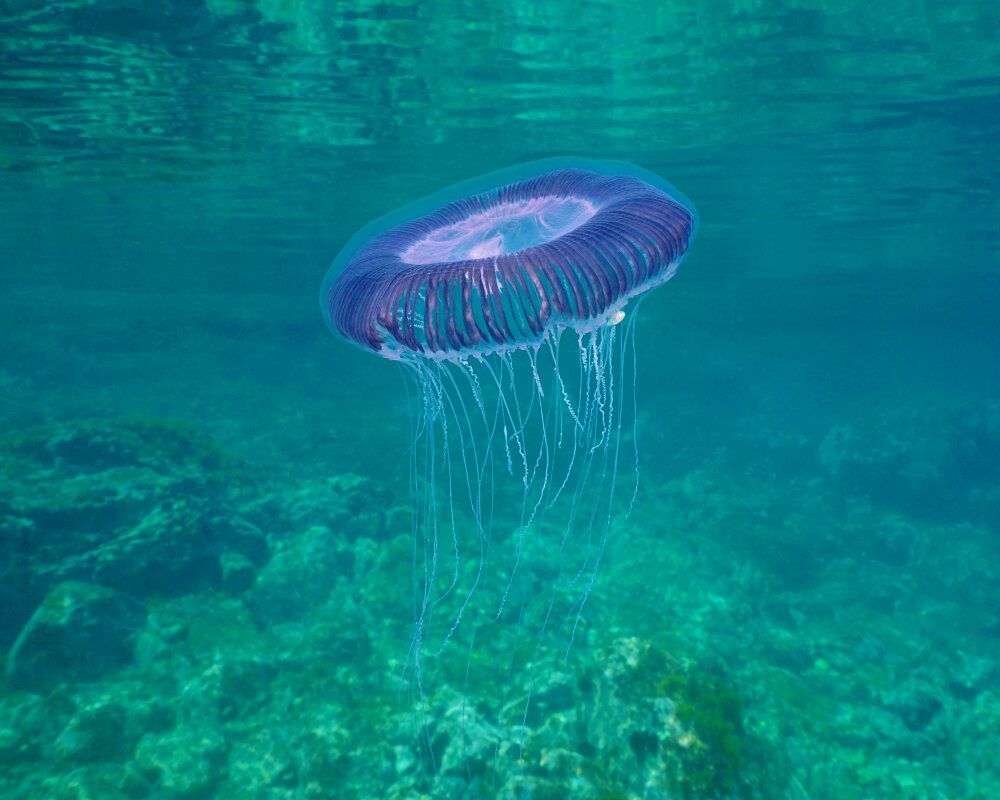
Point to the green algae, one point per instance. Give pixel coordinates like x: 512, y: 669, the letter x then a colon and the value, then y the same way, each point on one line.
x: 706, y: 747
x: 715, y: 712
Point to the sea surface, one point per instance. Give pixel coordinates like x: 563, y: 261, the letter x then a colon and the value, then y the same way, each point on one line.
x: 214, y: 532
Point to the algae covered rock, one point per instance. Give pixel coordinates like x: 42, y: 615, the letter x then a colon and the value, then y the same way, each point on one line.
x: 21, y: 721
x: 300, y: 576
x: 683, y: 726
x: 347, y: 504
x: 238, y: 572
x: 95, y: 732
x: 185, y: 762
x: 80, y: 632
x: 262, y: 759
x: 144, y: 506
x: 164, y: 548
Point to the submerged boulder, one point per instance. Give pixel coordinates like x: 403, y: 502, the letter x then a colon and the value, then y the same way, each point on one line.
x: 80, y: 632
x: 300, y: 576
x: 144, y: 506
x: 941, y: 459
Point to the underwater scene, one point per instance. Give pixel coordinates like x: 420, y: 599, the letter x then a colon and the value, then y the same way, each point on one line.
x: 519, y: 400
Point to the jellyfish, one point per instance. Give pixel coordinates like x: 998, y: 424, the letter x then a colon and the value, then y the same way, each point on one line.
x: 506, y: 302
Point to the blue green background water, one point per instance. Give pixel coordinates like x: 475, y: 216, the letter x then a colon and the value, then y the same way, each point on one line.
x: 818, y: 531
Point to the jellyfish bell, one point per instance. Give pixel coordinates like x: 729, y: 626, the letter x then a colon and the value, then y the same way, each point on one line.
x: 503, y: 299
x: 507, y: 259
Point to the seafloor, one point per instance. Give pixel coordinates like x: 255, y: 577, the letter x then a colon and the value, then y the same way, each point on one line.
x: 795, y: 609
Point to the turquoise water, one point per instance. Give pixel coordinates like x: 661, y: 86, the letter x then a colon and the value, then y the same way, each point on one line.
x: 205, y: 527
